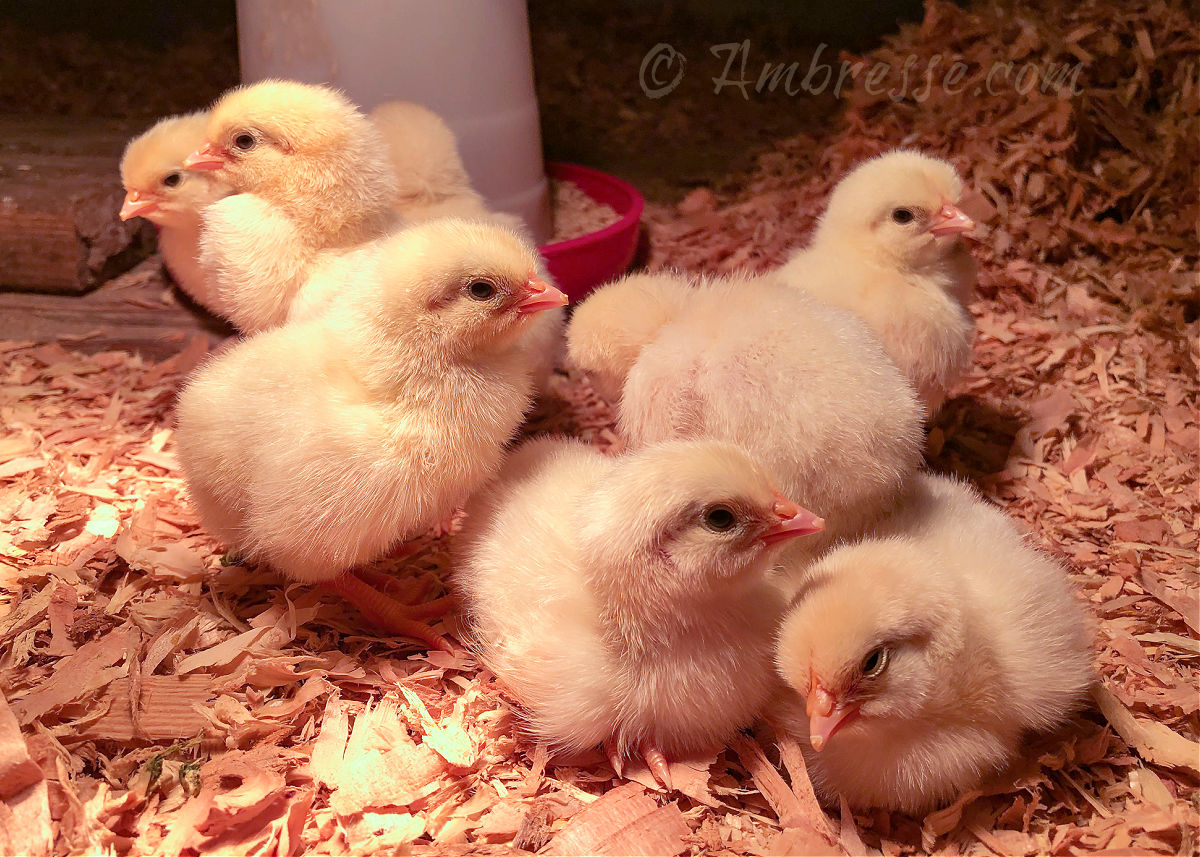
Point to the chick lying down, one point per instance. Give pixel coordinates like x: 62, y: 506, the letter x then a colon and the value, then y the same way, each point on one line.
x: 926, y: 651
x: 624, y: 601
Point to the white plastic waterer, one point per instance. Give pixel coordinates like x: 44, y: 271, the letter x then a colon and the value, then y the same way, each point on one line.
x: 467, y: 60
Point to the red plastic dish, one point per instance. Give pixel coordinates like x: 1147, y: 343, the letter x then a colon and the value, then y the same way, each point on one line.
x: 581, y: 264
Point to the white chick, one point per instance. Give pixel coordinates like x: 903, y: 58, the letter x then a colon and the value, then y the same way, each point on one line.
x: 803, y: 386
x: 311, y: 178
x: 158, y: 188
x: 889, y: 248
x: 321, y: 444
x: 623, y: 601
x: 609, y: 330
x: 431, y: 180
x: 927, y: 651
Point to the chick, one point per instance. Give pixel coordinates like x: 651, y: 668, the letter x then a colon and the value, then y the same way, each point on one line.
x: 158, y: 188
x: 927, y: 650
x: 888, y: 248
x: 804, y: 387
x: 431, y: 180
x: 611, y: 327
x: 321, y: 444
x: 623, y: 601
x: 310, y: 176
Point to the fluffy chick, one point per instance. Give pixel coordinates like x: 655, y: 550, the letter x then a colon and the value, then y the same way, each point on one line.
x: 623, y: 601
x: 609, y: 330
x: 926, y: 651
x: 888, y: 248
x: 158, y: 188
x: 320, y: 444
x: 431, y: 180
x: 310, y: 175
x: 803, y: 386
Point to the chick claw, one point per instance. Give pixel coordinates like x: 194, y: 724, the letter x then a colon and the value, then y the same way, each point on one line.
x: 614, y: 757
x: 387, y: 613
x: 657, y: 763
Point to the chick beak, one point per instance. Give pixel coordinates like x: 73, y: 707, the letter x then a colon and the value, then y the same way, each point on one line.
x: 539, y: 296
x: 950, y: 220
x: 793, y: 521
x: 826, y: 714
x: 136, y: 205
x: 207, y: 157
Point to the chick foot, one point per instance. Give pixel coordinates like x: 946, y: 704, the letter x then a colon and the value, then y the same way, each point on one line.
x: 656, y: 762
x: 387, y: 613
x: 614, y: 757
x: 411, y: 594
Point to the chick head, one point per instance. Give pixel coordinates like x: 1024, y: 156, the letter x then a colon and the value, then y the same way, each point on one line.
x: 869, y: 639
x: 287, y: 141
x: 902, y: 208
x: 699, y: 513
x: 157, y: 187
x: 461, y: 285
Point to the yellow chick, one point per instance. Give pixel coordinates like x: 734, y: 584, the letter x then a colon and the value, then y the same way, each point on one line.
x: 889, y: 248
x: 611, y: 327
x: 158, y: 188
x: 310, y: 176
x: 431, y: 180
x: 926, y: 652
x: 319, y: 445
x: 624, y: 601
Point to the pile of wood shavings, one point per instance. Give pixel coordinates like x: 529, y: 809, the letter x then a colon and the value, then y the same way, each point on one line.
x: 575, y: 213
x: 159, y: 702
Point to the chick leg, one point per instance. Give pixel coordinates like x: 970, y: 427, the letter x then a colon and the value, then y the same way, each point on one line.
x: 382, y: 581
x: 656, y: 762
x: 385, y: 612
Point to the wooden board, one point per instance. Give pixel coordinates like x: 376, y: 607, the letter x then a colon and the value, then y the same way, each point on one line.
x: 138, y: 311
x: 59, y: 229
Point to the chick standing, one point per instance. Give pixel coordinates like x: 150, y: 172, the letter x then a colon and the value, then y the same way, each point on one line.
x: 888, y: 248
x: 311, y: 178
x: 319, y: 445
x: 158, y: 188
x: 804, y: 387
x: 926, y: 651
x: 623, y: 601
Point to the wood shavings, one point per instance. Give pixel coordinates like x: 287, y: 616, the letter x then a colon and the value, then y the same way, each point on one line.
x: 575, y: 213
x: 257, y: 702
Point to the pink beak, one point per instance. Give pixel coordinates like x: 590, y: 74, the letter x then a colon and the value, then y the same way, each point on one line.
x: 794, y: 521
x: 826, y: 714
x: 136, y: 205
x: 541, y: 296
x: 207, y: 157
x: 950, y: 220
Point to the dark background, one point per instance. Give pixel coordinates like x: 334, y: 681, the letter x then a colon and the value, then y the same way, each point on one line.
x: 140, y: 60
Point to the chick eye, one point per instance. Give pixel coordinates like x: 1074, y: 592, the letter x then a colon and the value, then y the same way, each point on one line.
x: 481, y: 290
x: 875, y: 662
x: 719, y: 519
x: 172, y: 180
x: 902, y: 215
x: 244, y: 142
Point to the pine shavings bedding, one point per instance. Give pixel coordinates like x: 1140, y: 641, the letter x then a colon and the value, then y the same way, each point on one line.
x: 158, y: 701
